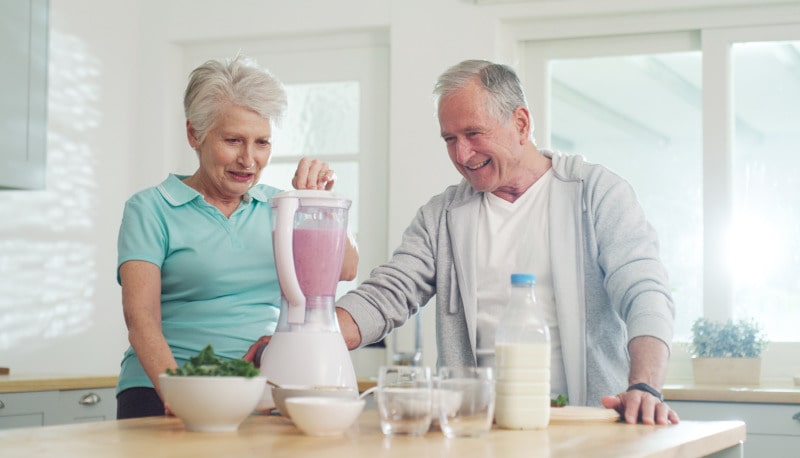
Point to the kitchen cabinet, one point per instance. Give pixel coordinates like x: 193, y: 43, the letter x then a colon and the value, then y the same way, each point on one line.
x: 81, y: 406
x: 23, y: 93
x: 26, y: 409
x: 771, y: 430
x: 51, y: 399
x: 56, y: 407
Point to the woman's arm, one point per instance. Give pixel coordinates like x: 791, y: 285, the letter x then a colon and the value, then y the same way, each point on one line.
x: 350, y: 261
x: 141, y: 305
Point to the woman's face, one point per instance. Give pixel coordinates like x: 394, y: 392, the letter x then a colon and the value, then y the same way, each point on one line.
x: 237, y: 146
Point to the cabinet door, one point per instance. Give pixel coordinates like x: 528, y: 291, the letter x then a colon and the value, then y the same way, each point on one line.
x: 82, y: 406
x: 19, y: 410
x: 760, y: 418
x: 771, y: 430
x: 23, y: 93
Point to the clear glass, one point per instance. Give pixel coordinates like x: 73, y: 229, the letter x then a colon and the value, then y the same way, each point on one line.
x: 464, y: 401
x: 765, y: 237
x: 404, y: 396
x: 641, y: 116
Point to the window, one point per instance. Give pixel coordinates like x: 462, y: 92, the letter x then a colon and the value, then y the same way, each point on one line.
x: 704, y: 126
x: 764, y: 252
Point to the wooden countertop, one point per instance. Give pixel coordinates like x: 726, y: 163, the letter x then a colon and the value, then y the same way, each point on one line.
x: 19, y: 383
x: 275, y: 436
x: 767, y: 393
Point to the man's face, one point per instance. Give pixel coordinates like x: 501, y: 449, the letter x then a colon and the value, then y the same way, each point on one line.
x: 486, y: 152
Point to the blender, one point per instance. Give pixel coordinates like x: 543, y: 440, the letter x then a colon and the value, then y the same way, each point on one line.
x: 307, y: 348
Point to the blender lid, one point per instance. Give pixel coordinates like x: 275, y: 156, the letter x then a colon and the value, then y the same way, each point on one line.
x: 314, y: 198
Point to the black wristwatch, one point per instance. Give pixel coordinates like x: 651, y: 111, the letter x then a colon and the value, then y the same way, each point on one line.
x: 647, y: 388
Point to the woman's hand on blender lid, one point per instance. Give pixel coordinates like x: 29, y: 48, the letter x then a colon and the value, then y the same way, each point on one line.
x: 313, y: 174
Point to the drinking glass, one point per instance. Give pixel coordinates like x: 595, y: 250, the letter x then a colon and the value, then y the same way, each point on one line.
x: 404, y: 396
x: 466, y: 401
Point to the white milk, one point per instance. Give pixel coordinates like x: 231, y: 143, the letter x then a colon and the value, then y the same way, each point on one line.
x: 523, y: 385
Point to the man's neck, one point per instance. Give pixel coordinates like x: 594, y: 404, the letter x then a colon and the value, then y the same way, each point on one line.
x: 533, y: 168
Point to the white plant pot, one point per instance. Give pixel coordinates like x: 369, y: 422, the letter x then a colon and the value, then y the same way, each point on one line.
x: 727, y: 371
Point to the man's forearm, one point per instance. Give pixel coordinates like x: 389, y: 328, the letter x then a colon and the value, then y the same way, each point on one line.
x: 649, y: 360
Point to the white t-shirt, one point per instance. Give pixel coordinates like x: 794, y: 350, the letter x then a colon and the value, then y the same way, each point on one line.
x: 514, y: 238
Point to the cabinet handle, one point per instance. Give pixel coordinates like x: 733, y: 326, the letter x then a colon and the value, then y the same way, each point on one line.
x: 89, y: 399
x: 2, y: 405
x: 796, y: 416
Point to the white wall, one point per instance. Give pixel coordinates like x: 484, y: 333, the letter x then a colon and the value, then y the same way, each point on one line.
x: 132, y: 57
x: 64, y: 315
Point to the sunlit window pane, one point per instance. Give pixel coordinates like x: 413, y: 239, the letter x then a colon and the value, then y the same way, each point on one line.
x: 641, y: 116
x: 765, y: 250
x: 322, y: 119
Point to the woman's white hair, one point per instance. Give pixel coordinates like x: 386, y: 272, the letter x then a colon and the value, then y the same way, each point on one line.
x: 237, y: 81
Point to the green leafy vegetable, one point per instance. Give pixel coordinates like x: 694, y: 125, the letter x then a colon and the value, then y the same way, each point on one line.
x: 208, y: 364
x: 559, y: 401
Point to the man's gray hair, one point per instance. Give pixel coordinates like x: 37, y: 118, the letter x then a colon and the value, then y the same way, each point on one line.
x: 500, y: 82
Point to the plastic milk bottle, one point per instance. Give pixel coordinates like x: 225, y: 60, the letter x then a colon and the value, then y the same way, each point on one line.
x: 522, y: 358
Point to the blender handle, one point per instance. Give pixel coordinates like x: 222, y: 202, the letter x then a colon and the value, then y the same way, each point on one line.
x: 284, y: 261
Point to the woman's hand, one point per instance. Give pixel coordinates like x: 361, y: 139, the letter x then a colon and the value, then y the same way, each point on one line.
x: 313, y: 174
x: 254, y: 352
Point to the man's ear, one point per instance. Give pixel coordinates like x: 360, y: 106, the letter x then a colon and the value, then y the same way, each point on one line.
x: 522, y: 120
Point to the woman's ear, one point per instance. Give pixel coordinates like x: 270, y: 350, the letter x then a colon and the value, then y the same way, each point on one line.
x: 191, y: 135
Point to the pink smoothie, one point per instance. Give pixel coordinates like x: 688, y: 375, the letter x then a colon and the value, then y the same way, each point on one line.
x: 318, y: 259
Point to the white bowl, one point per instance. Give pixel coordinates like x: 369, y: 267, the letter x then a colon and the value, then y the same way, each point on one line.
x: 280, y: 395
x: 212, y: 404
x: 328, y: 416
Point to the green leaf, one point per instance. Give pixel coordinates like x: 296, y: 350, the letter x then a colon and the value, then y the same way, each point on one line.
x: 559, y: 401
x: 733, y: 339
x: 208, y: 364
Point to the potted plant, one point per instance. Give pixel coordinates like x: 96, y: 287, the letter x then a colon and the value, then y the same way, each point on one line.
x: 727, y: 353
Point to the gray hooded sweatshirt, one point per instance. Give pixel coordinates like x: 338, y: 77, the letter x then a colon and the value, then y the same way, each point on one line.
x: 609, y: 283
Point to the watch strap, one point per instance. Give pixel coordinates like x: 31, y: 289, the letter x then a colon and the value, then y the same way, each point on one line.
x: 646, y: 388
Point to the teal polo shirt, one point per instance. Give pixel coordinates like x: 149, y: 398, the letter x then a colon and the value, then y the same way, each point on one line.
x: 219, y: 284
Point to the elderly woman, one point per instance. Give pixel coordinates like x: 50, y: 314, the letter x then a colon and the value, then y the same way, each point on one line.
x: 195, y: 255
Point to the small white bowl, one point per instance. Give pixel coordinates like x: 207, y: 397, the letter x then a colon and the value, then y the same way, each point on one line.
x: 211, y: 404
x: 280, y: 395
x: 324, y: 416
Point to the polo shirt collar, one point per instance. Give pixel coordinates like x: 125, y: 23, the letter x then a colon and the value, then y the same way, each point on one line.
x: 178, y: 193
